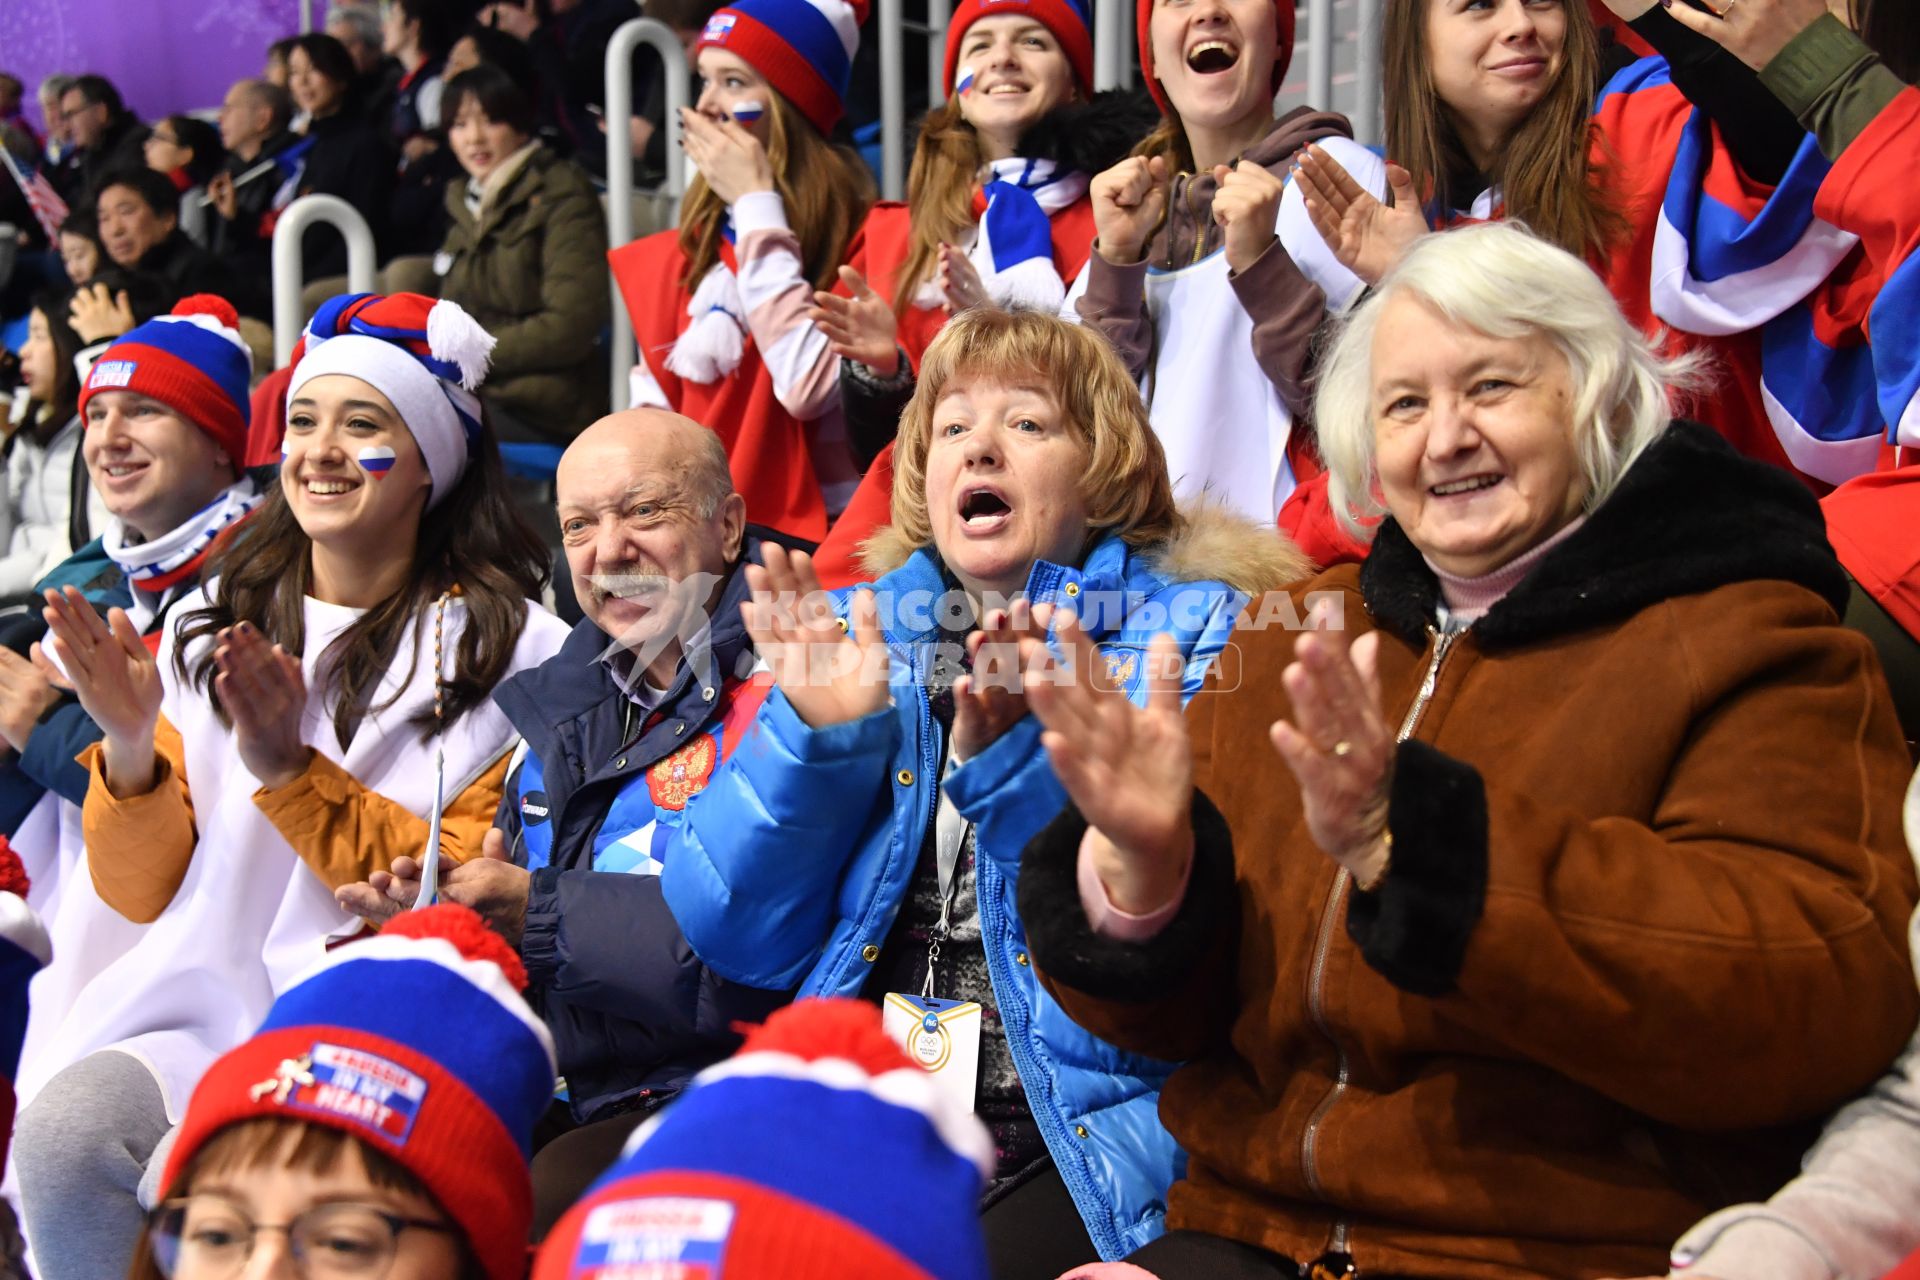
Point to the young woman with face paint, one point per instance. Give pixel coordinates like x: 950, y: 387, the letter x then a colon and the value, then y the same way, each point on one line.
x: 720, y: 306
x: 328, y: 685
x: 1208, y: 280
x: 996, y: 214
x: 1682, y: 181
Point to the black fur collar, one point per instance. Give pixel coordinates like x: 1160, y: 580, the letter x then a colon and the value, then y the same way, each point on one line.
x: 1690, y: 515
x: 1094, y: 135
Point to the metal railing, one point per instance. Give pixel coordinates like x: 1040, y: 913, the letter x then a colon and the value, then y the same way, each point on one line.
x: 289, y: 274
x: 619, y: 73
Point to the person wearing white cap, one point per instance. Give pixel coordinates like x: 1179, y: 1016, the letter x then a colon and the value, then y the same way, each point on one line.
x: 330, y: 679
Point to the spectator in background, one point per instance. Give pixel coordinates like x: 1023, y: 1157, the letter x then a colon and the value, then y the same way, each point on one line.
x: 189, y: 153
x: 17, y: 133
x: 106, y: 136
x: 647, y: 130
x: 526, y: 256
x: 249, y: 191
x: 770, y: 217
x: 81, y: 252
x: 139, y: 225
x: 43, y: 472
x: 357, y: 27
x: 480, y: 45
x: 349, y: 158
x: 59, y: 136
x: 275, y: 70
x: 568, y: 40
x: 417, y: 34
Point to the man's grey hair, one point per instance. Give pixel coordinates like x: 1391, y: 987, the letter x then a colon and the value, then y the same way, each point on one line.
x: 277, y: 101
x: 709, y: 476
x: 364, y: 22
x: 55, y: 87
x: 1500, y: 279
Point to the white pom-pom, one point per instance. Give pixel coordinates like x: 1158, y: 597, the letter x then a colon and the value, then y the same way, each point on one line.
x: 713, y: 343
x: 456, y: 337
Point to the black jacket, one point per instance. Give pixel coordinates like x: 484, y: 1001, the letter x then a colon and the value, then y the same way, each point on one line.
x: 633, y: 1012
x: 354, y: 160
x: 183, y: 267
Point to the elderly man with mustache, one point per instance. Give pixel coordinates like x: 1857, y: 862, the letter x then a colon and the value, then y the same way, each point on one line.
x: 619, y: 730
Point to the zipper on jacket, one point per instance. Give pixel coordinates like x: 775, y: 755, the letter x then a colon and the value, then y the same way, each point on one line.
x: 1323, y: 943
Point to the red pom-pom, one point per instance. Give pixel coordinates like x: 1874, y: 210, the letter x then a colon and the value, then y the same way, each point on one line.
x: 208, y: 304
x: 832, y: 1028
x: 860, y: 10
x: 464, y: 928
x: 13, y: 876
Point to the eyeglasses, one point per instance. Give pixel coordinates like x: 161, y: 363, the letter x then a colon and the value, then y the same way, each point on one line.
x: 208, y: 1237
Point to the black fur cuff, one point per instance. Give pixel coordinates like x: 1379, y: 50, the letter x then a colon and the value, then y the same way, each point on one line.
x: 1070, y: 952
x: 1414, y: 928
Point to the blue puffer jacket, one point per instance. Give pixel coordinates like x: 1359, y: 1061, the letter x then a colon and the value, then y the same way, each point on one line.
x: 792, y: 865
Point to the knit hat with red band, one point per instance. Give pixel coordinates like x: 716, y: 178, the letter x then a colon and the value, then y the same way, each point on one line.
x: 1283, y: 20
x: 25, y: 949
x: 427, y: 357
x: 818, y: 1152
x: 418, y: 1043
x: 193, y: 360
x: 1067, y: 19
x: 803, y: 47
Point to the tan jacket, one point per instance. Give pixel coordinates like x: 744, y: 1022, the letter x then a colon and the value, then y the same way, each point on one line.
x: 1646, y: 913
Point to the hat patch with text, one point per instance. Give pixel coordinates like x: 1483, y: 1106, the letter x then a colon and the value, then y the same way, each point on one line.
x: 365, y: 1089
x: 669, y: 1237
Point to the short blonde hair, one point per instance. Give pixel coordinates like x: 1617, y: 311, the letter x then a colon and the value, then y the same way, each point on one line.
x: 1501, y: 280
x: 1126, y: 488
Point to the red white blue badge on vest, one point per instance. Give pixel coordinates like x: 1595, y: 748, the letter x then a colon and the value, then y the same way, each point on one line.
x: 672, y: 1237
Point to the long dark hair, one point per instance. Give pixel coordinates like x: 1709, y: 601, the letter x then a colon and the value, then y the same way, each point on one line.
x: 45, y: 418
x: 1544, y: 173
x: 473, y: 541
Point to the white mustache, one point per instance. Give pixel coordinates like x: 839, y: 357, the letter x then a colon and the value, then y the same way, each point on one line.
x: 628, y: 586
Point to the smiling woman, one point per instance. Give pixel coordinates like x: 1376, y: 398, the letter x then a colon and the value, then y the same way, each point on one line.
x: 328, y: 685
x: 1480, y: 950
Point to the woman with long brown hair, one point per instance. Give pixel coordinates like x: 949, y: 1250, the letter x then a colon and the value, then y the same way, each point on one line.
x: 719, y: 307
x: 328, y: 681
x: 1681, y: 180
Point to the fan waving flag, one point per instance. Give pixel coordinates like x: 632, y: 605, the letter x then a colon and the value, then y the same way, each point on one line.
x: 49, y: 210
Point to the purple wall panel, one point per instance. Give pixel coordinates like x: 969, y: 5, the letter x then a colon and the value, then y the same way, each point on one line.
x: 165, y: 55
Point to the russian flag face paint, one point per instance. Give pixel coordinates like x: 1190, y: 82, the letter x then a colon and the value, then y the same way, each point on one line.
x: 749, y: 113
x: 376, y: 460
x: 964, y: 83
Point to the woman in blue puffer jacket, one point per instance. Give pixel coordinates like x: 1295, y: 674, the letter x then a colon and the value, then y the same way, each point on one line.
x: 864, y: 839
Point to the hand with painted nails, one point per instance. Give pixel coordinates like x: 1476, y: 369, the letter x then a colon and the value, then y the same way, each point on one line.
x: 860, y: 326
x: 728, y: 156
x: 262, y: 688
x: 1367, y: 236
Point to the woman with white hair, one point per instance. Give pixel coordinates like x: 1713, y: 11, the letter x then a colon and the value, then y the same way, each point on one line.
x: 1589, y: 880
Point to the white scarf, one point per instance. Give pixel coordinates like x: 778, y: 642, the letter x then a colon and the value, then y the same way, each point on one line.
x: 716, y: 335
x: 149, y: 564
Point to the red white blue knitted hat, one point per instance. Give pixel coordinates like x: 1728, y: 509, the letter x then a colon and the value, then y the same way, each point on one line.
x: 803, y: 47
x: 818, y: 1152
x: 426, y: 356
x: 194, y: 361
x: 1066, y: 19
x: 418, y: 1043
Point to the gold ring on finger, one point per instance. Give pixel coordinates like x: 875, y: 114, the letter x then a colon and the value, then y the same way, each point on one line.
x: 1342, y: 749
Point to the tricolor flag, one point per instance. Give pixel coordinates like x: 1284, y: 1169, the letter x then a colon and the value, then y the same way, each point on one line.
x: 965, y: 83
x: 49, y: 210
x: 749, y: 113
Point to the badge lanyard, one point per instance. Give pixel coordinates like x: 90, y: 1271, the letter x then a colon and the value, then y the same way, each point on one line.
x: 950, y: 836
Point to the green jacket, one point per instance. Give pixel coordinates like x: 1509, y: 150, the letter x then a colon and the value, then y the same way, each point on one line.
x: 533, y: 270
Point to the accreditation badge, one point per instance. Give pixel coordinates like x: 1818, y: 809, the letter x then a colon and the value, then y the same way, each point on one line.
x: 943, y: 1036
